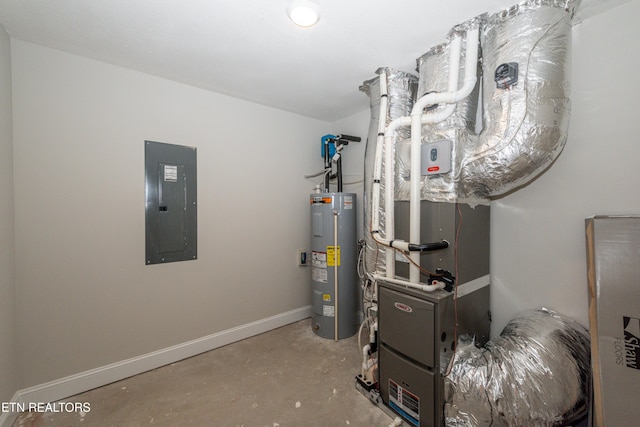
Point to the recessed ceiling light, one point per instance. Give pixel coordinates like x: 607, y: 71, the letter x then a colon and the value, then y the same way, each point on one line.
x: 303, y: 13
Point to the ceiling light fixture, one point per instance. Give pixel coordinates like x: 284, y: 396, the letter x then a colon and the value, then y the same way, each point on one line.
x: 303, y: 13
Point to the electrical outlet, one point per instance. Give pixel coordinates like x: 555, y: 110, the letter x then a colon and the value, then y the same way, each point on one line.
x: 302, y: 258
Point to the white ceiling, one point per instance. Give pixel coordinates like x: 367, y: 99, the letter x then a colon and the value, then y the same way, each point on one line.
x: 249, y: 49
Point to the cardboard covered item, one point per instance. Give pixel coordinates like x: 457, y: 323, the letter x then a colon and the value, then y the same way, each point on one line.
x: 613, y: 267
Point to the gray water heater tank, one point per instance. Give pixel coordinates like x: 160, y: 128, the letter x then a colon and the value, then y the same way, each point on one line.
x: 333, y: 259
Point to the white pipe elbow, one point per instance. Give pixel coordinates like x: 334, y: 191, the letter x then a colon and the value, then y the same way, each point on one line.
x: 365, y: 352
x: 372, y: 332
x: 365, y: 357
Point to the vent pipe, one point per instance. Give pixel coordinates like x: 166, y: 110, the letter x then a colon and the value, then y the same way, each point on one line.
x: 391, y: 95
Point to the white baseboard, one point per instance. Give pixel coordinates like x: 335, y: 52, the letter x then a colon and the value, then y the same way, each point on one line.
x: 7, y: 418
x: 84, y: 381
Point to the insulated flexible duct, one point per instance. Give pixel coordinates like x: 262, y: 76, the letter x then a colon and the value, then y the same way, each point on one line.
x: 525, y: 119
x: 401, y: 92
x: 536, y: 373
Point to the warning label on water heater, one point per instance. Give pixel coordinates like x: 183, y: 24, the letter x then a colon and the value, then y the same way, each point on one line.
x: 328, y: 311
x: 319, y: 267
x: 319, y: 274
x: 333, y: 256
x: 348, y: 202
x: 319, y: 259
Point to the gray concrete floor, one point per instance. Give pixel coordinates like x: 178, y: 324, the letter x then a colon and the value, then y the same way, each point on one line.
x: 286, y: 377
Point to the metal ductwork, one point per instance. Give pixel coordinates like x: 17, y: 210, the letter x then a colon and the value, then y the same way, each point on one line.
x: 536, y: 373
x: 525, y: 106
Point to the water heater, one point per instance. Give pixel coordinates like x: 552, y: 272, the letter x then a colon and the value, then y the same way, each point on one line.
x: 333, y: 264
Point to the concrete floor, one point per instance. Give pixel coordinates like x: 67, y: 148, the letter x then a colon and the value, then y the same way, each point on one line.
x: 286, y: 377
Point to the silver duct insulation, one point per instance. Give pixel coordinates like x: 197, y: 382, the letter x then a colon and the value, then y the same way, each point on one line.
x: 536, y: 373
x: 524, y: 124
x: 459, y: 128
x: 401, y: 93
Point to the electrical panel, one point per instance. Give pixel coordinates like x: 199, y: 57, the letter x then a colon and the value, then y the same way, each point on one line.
x: 171, y: 205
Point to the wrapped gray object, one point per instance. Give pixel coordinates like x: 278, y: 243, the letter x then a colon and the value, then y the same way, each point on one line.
x: 525, y: 101
x: 536, y: 373
x: 401, y: 93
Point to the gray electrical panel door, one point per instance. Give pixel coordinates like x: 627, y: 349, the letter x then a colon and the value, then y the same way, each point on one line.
x: 171, y: 209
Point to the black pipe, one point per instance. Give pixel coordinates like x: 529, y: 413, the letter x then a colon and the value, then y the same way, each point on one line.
x: 327, y: 166
x: 339, y: 173
x: 428, y: 247
x: 349, y: 138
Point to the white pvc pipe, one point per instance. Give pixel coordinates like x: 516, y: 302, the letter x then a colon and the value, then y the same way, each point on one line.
x: 335, y: 274
x: 377, y: 171
x: 372, y: 332
x: 416, y: 120
x: 377, y: 176
x: 390, y: 263
x: 470, y: 78
x: 401, y: 282
x: 434, y: 117
x: 455, y: 47
x: 382, y: 121
x: 389, y: 200
x: 414, y: 192
x: 451, y: 97
x: 365, y: 358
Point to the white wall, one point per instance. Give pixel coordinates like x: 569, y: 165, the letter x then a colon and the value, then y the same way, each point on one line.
x: 538, y: 244
x: 538, y: 248
x: 8, y: 362
x: 85, y: 297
